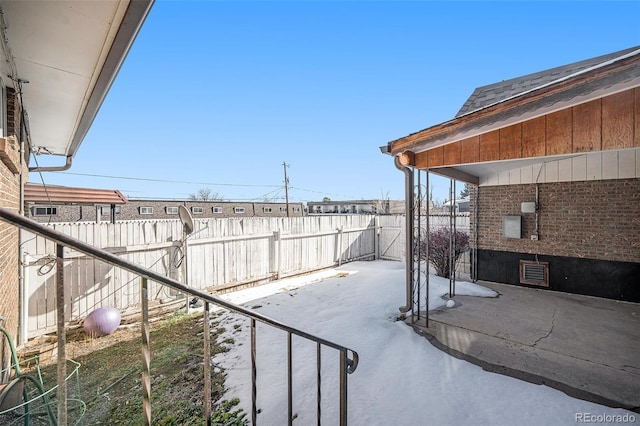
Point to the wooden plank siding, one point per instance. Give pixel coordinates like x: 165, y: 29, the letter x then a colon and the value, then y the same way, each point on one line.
x: 489, y: 146
x: 636, y: 119
x: 612, y: 122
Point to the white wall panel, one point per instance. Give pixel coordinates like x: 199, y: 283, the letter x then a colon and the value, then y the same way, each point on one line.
x: 579, y: 168
x: 594, y: 166
x: 604, y: 165
x: 565, y: 168
x: 610, y: 165
x: 551, y: 171
x: 627, y: 164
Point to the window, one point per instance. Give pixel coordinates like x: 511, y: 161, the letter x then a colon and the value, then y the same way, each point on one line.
x: 197, y: 210
x: 296, y: 209
x: 238, y: 210
x: 171, y: 210
x: 267, y: 209
x: 283, y: 209
x: 45, y: 211
x: 217, y: 210
x: 146, y: 210
x: 106, y: 210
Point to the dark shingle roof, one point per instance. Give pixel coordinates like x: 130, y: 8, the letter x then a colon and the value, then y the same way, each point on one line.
x: 493, y: 93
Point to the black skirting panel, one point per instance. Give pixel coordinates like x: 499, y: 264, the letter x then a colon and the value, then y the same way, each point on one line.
x: 602, y: 278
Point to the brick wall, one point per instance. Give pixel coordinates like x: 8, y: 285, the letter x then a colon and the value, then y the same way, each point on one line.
x: 590, y: 219
x: 9, y: 198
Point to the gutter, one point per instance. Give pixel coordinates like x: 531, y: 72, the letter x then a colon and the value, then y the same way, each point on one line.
x: 66, y: 166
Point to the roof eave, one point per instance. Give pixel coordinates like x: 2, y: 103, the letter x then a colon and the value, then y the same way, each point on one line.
x: 582, y: 88
x: 132, y: 21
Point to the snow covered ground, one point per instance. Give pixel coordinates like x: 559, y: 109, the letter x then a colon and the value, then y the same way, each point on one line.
x: 401, y: 377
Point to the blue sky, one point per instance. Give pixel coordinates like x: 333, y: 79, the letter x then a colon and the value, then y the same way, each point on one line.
x: 217, y: 94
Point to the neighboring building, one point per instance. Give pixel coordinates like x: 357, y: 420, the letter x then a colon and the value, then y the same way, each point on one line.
x: 461, y: 205
x: 168, y: 209
x: 55, y: 203
x: 356, y: 207
x: 553, y: 159
x: 57, y: 65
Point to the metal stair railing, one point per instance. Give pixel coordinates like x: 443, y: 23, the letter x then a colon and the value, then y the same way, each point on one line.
x: 348, y: 357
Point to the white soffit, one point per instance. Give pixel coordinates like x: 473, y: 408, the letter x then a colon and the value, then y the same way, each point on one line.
x: 60, y: 48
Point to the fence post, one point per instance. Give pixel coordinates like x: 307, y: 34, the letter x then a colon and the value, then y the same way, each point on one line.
x: 376, y: 236
x: 339, y: 244
x: 277, y: 243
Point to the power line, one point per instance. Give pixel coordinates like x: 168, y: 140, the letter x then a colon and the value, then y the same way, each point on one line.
x: 169, y: 181
x: 131, y: 178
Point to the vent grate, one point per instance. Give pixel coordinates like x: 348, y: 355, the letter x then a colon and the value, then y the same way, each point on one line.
x: 534, y: 273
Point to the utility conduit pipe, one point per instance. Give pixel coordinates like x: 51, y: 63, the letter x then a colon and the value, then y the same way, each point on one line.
x: 408, y: 224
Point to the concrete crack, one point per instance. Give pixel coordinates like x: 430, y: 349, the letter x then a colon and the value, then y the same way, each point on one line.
x: 553, y: 324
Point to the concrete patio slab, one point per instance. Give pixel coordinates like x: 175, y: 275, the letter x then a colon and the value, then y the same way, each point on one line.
x: 585, y: 346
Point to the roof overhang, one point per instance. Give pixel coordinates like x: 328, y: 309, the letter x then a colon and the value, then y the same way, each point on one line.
x: 493, y: 139
x: 67, y: 53
x: 607, y: 80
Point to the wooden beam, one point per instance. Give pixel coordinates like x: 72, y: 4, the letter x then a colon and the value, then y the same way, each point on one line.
x: 422, y: 160
x: 435, y: 157
x: 407, y: 159
x: 456, y: 174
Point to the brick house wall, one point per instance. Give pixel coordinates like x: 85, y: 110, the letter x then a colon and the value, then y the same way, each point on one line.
x: 589, y: 219
x: 9, y: 237
x: 589, y: 232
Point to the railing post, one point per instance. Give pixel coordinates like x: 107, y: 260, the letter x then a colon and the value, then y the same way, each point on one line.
x: 319, y: 382
x: 343, y: 387
x: 62, y: 357
x: 254, y: 409
x: 146, y: 353
x: 207, y: 366
x: 289, y: 380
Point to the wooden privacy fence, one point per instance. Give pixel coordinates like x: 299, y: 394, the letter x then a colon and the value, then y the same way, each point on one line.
x: 221, y: 254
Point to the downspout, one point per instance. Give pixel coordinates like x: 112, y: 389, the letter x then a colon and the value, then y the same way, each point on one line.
x: 67, y: 166
x: 408, y: 212
x: 22, y: 258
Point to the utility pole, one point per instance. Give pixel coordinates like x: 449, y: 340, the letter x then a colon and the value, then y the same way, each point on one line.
x: 286, y: 185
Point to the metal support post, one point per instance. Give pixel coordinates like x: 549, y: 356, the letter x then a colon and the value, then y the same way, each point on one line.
x: 146, y: 353
x: 62, y: 357
x: 207, y: 365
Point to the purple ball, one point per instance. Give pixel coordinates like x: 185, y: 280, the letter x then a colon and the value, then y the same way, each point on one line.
x: 102, y: 321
